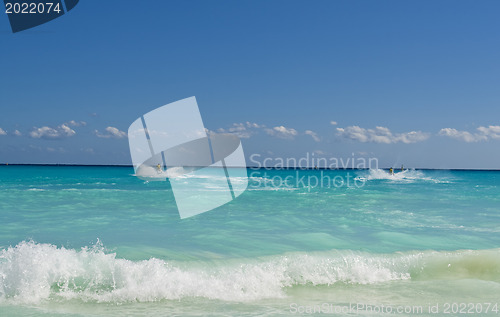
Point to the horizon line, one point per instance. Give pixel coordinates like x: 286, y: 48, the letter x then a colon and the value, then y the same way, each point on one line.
x: 262, y: 167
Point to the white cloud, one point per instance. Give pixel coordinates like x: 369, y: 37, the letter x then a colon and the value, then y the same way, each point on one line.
x: 111, y: 132
x: 17, y: 133
x: 413, y: 136
x: 460, y: 135
x: 247, y: 129
x: 74, y: 123
x: 237, y: 127
x: 483, y: 134
x: 66, y: 131
x: 2, y: 132
x: 52, y: 133
x: 254, y: 125
x: 381, y: 135
x: 333, y: 122
x: 242, y: 130
x: 492, y: 132
x: 45, y: 132
x: 353, y: 133
x: 313, y: 135
x: 282, y: 132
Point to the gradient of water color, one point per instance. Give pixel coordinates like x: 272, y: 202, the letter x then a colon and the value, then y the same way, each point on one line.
x: 87, y: 241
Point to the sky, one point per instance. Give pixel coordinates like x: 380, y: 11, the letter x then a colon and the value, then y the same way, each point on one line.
x: 405, y: 82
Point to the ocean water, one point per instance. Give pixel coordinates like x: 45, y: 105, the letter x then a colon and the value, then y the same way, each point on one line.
x: 97, y: 241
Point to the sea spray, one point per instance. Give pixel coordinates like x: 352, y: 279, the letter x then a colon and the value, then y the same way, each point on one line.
x: 33, y: 272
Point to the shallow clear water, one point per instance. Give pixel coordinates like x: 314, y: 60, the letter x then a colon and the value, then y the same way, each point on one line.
x: 98, y: 241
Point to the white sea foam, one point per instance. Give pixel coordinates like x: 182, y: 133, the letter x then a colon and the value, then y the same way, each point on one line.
x: 33, y: 273
x: 402, y: 176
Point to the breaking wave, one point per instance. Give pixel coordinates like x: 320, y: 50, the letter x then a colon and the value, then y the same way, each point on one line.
x: 32, y: 272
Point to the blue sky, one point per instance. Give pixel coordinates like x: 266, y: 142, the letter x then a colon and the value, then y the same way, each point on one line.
x: 407, y: 82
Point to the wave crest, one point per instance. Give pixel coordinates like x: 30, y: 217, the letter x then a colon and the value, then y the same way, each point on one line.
x: 31, y: 272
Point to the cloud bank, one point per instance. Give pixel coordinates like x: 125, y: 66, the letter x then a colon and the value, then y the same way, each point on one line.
x: 59, y: 132
x: 242, y: 130
x: 110, y: 132
x: 482, y: 134
x: 380, y: 135
x: 282, y: 132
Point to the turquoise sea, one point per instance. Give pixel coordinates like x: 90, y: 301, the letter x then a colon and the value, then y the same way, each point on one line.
x: 97, y: 241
